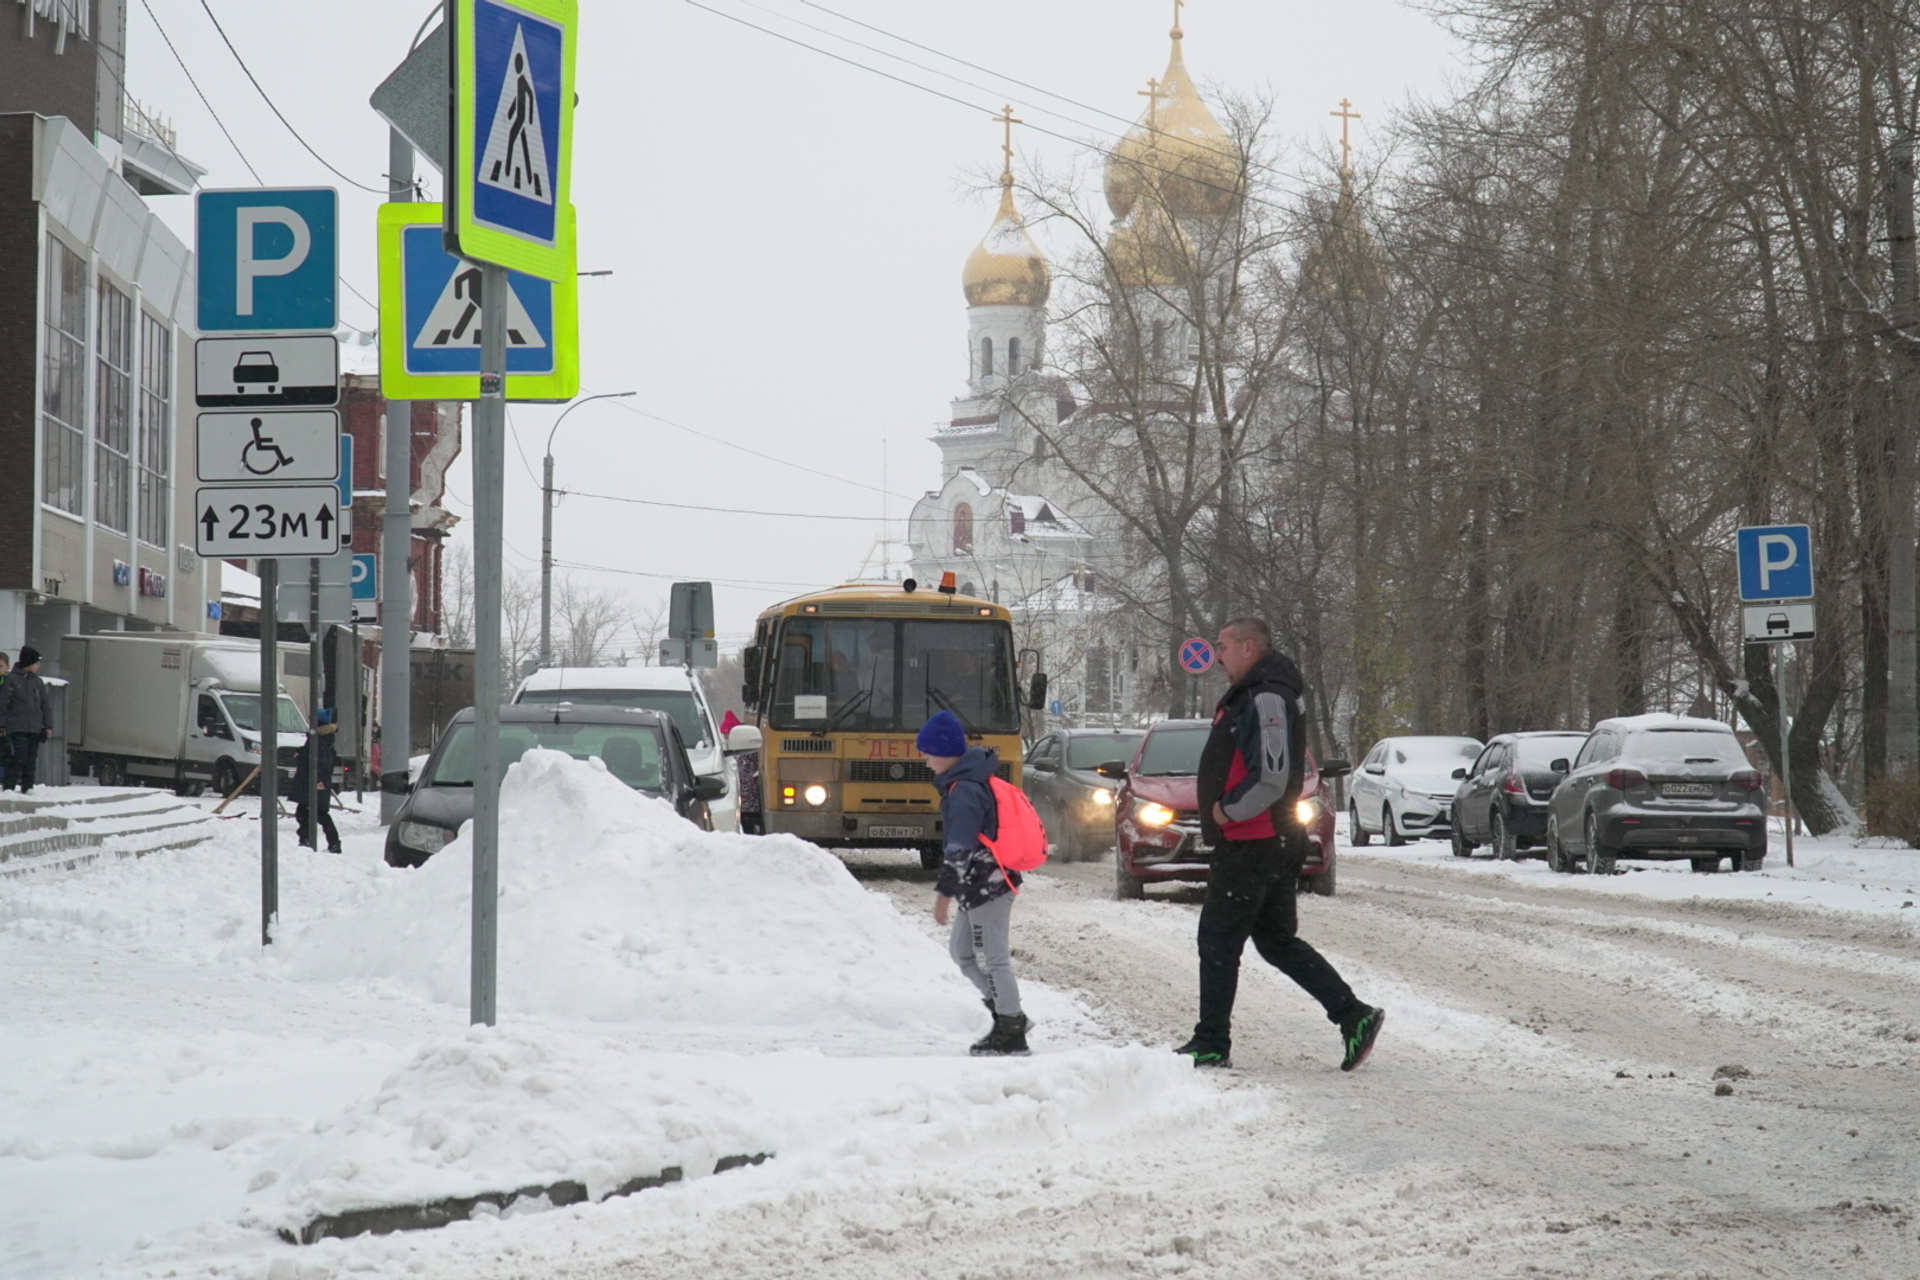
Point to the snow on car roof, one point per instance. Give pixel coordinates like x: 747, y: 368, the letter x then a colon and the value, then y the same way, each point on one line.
x: 660, y: 678
x: 1664, y: 720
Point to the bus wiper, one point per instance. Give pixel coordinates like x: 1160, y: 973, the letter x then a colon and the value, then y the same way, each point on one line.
x: 847, y: 708
x: 946, y: 704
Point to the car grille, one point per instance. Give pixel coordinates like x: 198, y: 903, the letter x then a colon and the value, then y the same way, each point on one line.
x: 888, y: 771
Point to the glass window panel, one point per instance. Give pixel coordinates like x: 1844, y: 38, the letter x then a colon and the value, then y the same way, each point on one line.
x: 113, y: 407
x: 63, y: 397
x: 156, y: 429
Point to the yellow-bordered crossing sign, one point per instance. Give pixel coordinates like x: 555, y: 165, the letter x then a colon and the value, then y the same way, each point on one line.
x: 511, y: 158
x: 430, y: 319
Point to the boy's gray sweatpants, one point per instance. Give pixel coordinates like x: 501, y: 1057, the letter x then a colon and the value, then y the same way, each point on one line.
x: 980, y: 945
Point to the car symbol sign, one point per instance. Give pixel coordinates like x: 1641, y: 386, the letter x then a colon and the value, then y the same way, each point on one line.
x: 262, y: 371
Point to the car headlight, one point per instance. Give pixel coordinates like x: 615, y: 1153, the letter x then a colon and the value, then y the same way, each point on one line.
x: 816, y: 795
x: 252, y: 748
x: 1154, y: 815
x: 1307, y: 812
x: 423, y: 836
x: 1101, y: 795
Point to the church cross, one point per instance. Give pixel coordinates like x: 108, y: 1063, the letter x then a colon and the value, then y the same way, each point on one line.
x: 1152, y: 93
x: 1347, y: 115
x: 1006, y: 118
x: 1177, y: 6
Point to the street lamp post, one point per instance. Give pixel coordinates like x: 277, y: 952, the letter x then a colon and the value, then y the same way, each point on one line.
x: 546, y: 529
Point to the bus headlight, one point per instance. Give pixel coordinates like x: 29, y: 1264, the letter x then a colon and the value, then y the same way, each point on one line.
x: 1154, y: 815
x: 1307, y: 812
x: 816, y: 795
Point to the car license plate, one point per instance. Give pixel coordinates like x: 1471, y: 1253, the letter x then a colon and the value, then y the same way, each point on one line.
x: 896, y: 833
x: 1686, y: 788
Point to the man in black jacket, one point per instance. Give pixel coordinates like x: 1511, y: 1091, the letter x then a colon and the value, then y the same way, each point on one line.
x: 26, y: 717
x: 1251, y: 773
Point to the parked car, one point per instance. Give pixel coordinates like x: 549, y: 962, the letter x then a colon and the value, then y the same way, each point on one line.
x: 674, y: 690
x: 1502, y: 796
x: 1075, y: 802
x: 1659, y: 787
x: 1157, y: 813
x: 642, y: 748
x: 1404, y: 788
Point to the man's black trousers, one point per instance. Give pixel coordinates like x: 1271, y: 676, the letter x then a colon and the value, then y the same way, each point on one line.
x: 1250, y: 894
x: 302, y: 822
x: 25, y: 759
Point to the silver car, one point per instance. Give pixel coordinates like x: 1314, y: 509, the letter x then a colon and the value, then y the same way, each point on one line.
x: 1404, y: 789
x: 1658, y: 787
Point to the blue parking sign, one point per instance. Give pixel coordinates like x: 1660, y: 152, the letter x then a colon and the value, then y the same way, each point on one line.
x: 1776, y: 562
x: 268, y: 260
x: 366, y: 576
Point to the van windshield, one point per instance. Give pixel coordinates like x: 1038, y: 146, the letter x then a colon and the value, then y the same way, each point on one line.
x: 245, y: 710
x: 632, y: 753
x: 677, y: 703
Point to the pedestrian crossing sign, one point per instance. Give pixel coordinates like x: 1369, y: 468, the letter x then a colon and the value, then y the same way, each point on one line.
x: 513, y: 134
x: 430, y: 319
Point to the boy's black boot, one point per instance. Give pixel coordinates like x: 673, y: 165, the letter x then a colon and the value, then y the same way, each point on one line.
x: 1009, y: 1035
x: 1205, y: 1055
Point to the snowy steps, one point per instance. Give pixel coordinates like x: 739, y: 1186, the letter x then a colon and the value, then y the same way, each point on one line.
x: 69, y: 827
x: 439, y: 1213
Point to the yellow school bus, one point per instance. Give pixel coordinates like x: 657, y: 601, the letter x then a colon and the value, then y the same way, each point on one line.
x: 840, y: 681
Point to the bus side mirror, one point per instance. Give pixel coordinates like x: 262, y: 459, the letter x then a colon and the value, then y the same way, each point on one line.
x: 1037, y: 691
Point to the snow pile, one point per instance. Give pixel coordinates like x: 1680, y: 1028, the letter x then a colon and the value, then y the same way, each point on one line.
x: 613, y: 909
x: 498, y: 1110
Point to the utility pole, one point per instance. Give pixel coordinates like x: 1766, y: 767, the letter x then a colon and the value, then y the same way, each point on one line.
x: 315, y: 663
x: 396, y: 547
x: 1903, y: 685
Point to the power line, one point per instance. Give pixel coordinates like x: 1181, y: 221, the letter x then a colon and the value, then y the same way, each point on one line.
x: 732, y: 511
x: 379, y: 191
x: 202, y: 93
x: 721, y: 440
x: 683, y: 577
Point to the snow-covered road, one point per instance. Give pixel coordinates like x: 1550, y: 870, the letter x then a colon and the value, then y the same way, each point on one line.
x: 1543, y: 1102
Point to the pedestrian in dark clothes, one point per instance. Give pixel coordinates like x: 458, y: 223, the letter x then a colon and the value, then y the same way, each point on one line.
x: 26, y: 716
x: 6, y: 743
x: 1251, y: 773
x: 302, y: 819
x: 980, y: 942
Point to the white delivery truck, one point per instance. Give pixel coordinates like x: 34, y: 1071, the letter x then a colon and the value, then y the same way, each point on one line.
x: 171, y: 710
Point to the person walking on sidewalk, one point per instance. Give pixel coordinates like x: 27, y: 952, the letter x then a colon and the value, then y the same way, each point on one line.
x: 302, y: 819
x: 1251, y: 773
x: 980, y: 942
x: 26, y: 717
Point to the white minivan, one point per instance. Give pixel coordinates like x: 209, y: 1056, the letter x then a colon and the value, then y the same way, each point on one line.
x: 673, y: 690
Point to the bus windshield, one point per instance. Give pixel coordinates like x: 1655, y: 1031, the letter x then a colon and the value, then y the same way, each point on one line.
x: 887, y: 675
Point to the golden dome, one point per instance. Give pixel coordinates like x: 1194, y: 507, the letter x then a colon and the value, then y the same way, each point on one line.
x: 1177, y: 149
x: 1149, y: 251
x: 1006, y: 267
x: 1345, y: 264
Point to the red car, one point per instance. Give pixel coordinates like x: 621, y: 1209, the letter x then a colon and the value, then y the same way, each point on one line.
x: 1157, y: 813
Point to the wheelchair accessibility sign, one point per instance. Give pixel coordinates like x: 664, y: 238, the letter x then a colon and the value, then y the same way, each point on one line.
x: 430, y: 311
x: 265, y: 444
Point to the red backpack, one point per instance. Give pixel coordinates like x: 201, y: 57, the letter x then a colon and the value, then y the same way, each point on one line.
x: 1022, y: 842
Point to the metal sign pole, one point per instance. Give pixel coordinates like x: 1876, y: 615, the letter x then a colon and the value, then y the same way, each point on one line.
x: 396, y: 543
x: 1786, y: 733
x: 359, y: 722
x: 269, y: 749
x: 489, y: 481
x: 310, y: 835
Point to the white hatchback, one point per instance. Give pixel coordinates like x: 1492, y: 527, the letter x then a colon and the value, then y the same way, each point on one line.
x: 673, y: 690
x: 1404, y: 788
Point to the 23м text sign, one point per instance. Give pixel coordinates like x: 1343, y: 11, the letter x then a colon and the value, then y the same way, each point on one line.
x: 267, y: 520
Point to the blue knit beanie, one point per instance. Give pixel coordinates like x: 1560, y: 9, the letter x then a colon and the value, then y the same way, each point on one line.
x: 943, y: 735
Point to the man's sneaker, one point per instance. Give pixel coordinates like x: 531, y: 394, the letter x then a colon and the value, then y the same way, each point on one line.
x: 1358, y: 1033
x: 1205, y: 1055
x: 1009, y: 1035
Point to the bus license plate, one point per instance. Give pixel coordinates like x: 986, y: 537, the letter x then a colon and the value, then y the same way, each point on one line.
x: 896, y: 833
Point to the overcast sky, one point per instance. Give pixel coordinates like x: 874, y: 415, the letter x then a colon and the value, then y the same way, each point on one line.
x: 786, y: 231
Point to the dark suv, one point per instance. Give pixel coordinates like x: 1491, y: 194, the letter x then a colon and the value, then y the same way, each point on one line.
x: 1503, y: 794
x: 1658, y: 787
x: 1060, y: 776
x: 641, y: 748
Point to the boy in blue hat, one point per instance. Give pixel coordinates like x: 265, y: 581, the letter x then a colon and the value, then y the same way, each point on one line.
x: 980, y: 942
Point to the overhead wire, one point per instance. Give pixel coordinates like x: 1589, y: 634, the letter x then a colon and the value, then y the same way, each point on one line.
x: 749, y: 584
x: 278, y: 114
x: 168, y: 40
x: 732, y: 511
x: 785, y: 462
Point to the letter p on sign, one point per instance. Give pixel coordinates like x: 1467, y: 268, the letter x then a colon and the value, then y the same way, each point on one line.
x: 1776, y: 562
x: 267, y: 260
